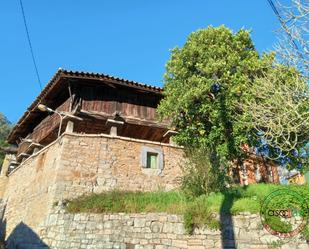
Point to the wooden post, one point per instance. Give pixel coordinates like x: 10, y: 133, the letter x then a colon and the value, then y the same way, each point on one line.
x: 6, y: 163
x: 171, y: 141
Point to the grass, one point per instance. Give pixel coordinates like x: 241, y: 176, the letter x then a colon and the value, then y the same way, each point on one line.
x: 129, y: 202
x: 197, y: 211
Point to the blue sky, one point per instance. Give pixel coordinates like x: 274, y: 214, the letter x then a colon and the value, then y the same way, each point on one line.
x: 126, y: 38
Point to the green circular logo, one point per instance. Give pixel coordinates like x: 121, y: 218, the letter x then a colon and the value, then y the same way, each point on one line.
x: 284, y: 213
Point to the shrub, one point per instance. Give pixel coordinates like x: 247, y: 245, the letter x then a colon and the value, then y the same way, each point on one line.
x: 201, y: 175
x: 199, y: 214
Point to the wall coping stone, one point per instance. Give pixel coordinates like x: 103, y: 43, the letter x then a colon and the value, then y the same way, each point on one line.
x: 65, y: 134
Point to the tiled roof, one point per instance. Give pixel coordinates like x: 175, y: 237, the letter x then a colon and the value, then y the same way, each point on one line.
x: 109, y: 77
x: 62, y: 73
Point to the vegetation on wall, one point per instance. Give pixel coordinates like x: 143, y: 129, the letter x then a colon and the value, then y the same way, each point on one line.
x: 197, y: 211
x: 5, y: 127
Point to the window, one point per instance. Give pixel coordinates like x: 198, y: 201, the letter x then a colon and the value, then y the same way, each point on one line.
x: 152, y: 160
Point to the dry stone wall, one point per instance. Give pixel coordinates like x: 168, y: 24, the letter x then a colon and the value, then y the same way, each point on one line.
x: 154, y: 231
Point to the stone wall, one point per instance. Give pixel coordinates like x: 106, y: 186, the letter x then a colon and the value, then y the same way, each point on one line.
x: 90, y: 163
x: 154, y: 231
x: 77, y: 164
x: 74, y: 165
x: 30, y: 189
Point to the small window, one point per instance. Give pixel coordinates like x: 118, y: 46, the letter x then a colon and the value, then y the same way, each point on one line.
x: 152, y: 160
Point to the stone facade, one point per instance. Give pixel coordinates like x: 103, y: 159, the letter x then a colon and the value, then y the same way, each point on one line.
x: 108, y: 163
x: 77, y: 164
x: 155, y: 231
x: 30, y: 189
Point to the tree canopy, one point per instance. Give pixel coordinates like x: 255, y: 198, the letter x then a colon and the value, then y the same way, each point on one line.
x: 5, y: 127
x: 205, y: 83
x: 208, y: 87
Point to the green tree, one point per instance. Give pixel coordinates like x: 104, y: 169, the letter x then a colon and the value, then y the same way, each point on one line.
x: 205, y: 84
x: 5, y: 127
x: 221, y: 95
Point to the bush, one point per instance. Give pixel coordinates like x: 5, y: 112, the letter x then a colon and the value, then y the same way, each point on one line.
x: 199, y: 214
x: 201, y: 175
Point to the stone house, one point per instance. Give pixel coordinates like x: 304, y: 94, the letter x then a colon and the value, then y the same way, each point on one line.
x: 88, y: 133
x: 77, y: 106
x: 94, y: 133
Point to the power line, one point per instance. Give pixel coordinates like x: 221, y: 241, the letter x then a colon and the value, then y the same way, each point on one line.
x: 30, y: 45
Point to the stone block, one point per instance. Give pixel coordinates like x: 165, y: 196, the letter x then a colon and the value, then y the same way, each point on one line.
x: 290, y: 246
x: 156, y: 227
x: 180, y: 243
x: 268, y: 239
x: 303, y: 246
x: 196, y: 247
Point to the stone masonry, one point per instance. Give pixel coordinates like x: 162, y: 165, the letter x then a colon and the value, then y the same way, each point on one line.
x: 77, y: 164
x: 154, y: 231
x: 95, y: 164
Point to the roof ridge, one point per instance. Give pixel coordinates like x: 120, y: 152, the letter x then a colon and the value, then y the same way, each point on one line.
x: 108, y: 76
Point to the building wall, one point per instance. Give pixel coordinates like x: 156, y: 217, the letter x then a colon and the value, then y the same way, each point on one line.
x: 108, y: 163
x: 30, y: 189
x: 78, y: 164
x: 259, y: 170
x: 297, y: 179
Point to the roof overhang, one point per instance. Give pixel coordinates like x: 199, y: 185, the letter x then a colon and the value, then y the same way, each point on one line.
x: 58, y: 83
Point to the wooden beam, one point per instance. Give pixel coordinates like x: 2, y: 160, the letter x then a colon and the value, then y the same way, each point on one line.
x: 112, y: 122
x: 170, y: 133
x: 22, y: 156
x: 130, y: 120
x: 35, y: 145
